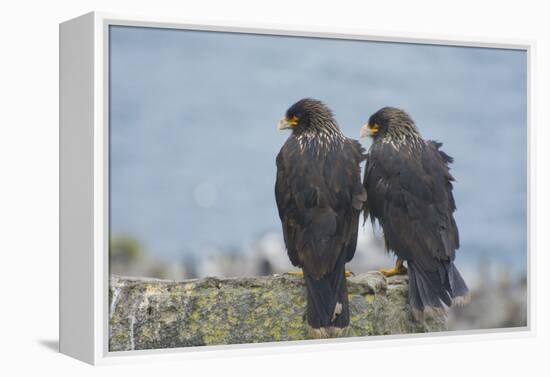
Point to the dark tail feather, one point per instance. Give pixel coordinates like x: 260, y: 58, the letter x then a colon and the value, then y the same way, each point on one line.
x: 457, y: 286
x: 327, y: 312
x: 430, y: 290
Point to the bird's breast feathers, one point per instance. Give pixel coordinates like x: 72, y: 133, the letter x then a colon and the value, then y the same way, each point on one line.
x: 320, y: 141
x: 398, y: 142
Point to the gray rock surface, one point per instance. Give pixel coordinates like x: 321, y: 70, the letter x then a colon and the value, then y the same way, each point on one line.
x: 149, y: 313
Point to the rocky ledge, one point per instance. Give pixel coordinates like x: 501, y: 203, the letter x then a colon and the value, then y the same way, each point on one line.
x: 150, y: 313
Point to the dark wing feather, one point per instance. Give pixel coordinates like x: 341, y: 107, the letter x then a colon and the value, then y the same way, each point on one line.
x: 346, y: 193
x: 287, y: 209
x: 410, y: 193
x: 319, y: 195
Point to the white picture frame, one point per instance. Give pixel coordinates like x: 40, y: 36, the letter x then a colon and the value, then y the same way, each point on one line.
x: 84, y: 309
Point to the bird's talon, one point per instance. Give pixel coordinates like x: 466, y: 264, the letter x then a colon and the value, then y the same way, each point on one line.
x: 296, y: 273
x: 398, y: 269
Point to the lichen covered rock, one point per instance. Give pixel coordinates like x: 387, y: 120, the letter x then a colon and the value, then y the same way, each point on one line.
x: 148, y: 313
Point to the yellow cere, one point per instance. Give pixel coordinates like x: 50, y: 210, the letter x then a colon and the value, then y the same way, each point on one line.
x: 293, y: 121
x: 373, y: 128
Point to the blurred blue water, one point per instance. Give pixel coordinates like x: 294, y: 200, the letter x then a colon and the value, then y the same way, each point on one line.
x: 194, y: 140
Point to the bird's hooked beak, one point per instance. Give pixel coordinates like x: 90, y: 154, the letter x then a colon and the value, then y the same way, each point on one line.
x: 369, y: 130
x: 286, y: 123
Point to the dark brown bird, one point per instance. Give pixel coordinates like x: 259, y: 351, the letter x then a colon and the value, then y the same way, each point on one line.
x: 319, y: 196
x: 409, y: 189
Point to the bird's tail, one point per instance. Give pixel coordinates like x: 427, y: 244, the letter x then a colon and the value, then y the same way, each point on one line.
x: 327, y: 311
x: 428, y: 291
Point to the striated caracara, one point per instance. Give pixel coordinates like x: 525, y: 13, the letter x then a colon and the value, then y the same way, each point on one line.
x: 409, y: 191
x: 319, y: 196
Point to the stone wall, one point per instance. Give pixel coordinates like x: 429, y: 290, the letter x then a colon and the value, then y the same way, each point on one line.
x: 149, y: 313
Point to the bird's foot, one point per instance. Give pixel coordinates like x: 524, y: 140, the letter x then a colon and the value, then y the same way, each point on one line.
x: 296, y: 273
x: 398, y: 269
x: 301, y: 273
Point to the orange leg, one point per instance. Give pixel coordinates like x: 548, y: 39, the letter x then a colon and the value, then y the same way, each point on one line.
x: 296, y: 273
x: 301, y: 273
x: 398, y: 269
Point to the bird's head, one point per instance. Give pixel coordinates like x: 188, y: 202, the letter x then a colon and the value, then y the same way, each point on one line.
x: 308, y: 115
x: 389, y: 122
